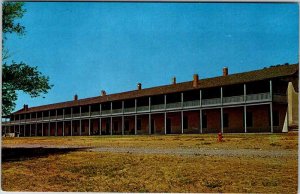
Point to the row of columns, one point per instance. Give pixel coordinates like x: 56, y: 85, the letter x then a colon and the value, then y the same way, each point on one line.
x: 165, y: 103
x: 149, y: 124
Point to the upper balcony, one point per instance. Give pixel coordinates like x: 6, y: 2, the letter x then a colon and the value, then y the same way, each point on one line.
x: 212, y: 97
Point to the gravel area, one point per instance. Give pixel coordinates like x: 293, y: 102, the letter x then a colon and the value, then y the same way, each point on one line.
x: 202, y: 152
x: 174, y: 151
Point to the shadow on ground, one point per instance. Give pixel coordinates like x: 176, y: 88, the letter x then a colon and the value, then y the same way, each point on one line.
x: 18, y: 154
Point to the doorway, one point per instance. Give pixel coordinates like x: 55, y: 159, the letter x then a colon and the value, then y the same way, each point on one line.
x: 168, y: 130
x: 152, y: 126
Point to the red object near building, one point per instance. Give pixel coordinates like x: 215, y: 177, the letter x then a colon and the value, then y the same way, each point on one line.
x: 220, y: 137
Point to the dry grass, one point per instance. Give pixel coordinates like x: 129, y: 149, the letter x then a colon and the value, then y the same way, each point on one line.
x: 107, y: 172
x: 127, y: 172
x: 247, y: 141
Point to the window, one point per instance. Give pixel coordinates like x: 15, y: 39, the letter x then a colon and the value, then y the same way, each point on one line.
x: 225, y: 120
x: 139, y: 124
x: 116, y: 126
x: 204, y: 121
x: 249, y: 119
x: 185, y: 122
x: 275, y: 118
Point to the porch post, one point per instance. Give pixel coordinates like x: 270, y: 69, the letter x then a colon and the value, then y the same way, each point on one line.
x: 71, y: 121
x: 111, y: 123
x: 30, y: 124
x: 36, y: 124
x: 271, y: 107
x: 100, y: 126
x: 122, y: 117
x: 245, y: 108
x: 149, y: 123
x: 271, y: 117
x: 63, y: 125
x: 49, y: 124
x: 135, y: 124
x: 200, y: 121
x: 80, y: 127
x: 222, y: 119
x: 56, y: 130
x: 165, y: 101
x: 181, y: 99
x: 182, y: 122
x: 200, y: 93
x: 165, y: 123
x: 245, y: 118
x: 89, y: 126
x: 42, y: 123
x: 122, y: 124
x: 149, y: 104
x: 222, y: 130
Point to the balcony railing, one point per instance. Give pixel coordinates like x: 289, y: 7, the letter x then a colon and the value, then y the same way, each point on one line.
x: 52, y: 117
x: 173, y: 105
x: 250, y: 98
x: 191, y: 103
x: 76, y: 115
x: 68, y: 116
x: 85, y: 114
x: 115, y: 111
x: 211, y: 101
x: 142, y: 108
x: 258, y: 97
x: 59, y: 116
x: 45, y: 118
x: 95, y: 113
x: 233, y: 99
x: 131, y: 109
x: 157, y: 107
x: 105, y: 112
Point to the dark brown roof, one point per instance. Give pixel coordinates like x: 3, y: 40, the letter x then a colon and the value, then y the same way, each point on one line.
x: 263, y: 74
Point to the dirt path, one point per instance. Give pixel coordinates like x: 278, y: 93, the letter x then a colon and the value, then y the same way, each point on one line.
x: 202, y: 151
x: 175, y: 151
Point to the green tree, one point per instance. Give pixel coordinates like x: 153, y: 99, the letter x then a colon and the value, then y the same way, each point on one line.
x: 17, y: 76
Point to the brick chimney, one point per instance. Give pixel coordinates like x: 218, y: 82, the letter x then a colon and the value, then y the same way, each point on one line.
x: 139, y: 86
x: 76, y: 97
x: 195, y: 80
x: 225, y: 71
x: 173, y: 80
x: 103, y: 93
x: 25, y: 107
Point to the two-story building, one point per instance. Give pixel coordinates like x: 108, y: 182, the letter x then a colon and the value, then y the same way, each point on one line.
x: 248, y: 102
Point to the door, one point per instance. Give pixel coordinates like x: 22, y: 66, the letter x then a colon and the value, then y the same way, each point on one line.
x: 152, y: 126
x: 168, y: 126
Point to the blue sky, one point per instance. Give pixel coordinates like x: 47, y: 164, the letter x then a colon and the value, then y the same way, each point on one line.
x: 87, y: 47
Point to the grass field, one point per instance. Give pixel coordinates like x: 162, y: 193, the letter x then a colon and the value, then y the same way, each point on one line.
x: 128, y: 172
